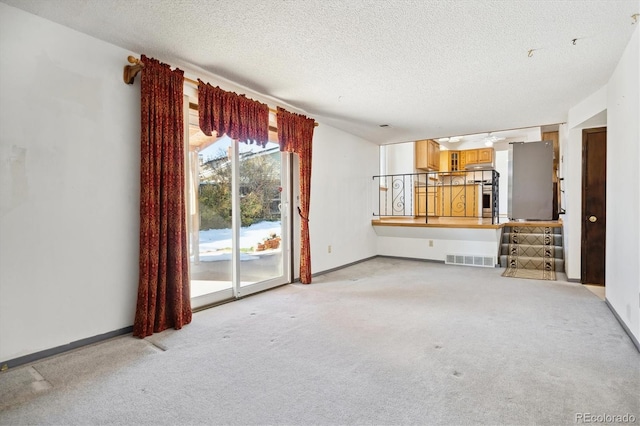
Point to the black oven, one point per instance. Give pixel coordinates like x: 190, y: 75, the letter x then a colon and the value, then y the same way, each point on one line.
x: 487, y: 195
x: 487, y: 198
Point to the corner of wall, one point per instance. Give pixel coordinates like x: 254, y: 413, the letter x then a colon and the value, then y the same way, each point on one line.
x: 590, y: 107
x: 623, y: 203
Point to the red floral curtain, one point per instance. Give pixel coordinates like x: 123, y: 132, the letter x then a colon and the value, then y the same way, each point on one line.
x: 295, y: 134
x: 240, y: 118
x: 163, y: 288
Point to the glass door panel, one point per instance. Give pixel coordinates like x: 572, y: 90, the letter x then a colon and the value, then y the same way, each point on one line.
x: 210, y: 219
x: 263, y: 205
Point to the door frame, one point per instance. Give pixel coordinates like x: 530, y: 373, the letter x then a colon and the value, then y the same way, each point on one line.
x: 237, y: 291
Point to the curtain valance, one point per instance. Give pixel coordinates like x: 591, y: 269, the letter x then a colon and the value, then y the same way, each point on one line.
x: 235, y: 115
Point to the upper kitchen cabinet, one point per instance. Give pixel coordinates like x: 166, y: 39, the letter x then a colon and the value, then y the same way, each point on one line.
x: 450, y: 161
x: 485, y: 155
x: 427, y: 155
x: 482, y: 156
x: 468, y: 156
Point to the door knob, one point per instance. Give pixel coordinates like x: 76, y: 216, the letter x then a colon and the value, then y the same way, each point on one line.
x: 592, y: 219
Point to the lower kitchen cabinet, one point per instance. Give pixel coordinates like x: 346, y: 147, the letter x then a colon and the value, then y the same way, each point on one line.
x: 459, y: 201
x: 424, y: 203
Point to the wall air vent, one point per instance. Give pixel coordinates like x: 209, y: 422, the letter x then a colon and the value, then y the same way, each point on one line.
x: 470, y: 260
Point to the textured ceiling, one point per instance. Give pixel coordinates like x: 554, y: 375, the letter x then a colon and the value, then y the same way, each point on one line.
x: 425, y: 68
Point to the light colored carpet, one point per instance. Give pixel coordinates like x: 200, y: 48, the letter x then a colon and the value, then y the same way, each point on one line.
x: 386, y: 341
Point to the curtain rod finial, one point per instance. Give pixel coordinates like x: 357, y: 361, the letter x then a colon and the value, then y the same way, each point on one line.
x: 130, y: 71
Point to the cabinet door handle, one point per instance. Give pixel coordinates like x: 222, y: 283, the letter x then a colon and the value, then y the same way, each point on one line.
x: 593, y: 219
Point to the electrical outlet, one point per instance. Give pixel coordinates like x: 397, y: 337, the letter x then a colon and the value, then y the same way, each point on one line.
x: 430, y: 243
x: 328, y: 249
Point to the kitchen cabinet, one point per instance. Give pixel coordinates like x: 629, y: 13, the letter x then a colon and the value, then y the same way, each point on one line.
x: 450, y: 161
x: 424, y: 203
x: 485, y: 155
x: 434, y: 155
x: 427, y: 155
x: 459, y: 201
x: 454, y: 161
x: 468, y: 156
x: 477, y: 156
x: 463, y: 160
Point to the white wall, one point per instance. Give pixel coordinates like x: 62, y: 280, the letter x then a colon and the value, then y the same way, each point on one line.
x: 413, y: 242
x: 341, y: 198
x: 591, y: 107
x: 623, y: 187
x: 571, y: 139
x: 69, y: 186
x: 400, y: 158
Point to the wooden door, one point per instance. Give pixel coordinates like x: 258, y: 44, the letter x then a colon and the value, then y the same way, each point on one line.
x: 594, y: 220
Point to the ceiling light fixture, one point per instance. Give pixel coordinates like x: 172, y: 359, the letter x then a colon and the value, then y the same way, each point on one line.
x: 491, y: 139
x: 452, y: 139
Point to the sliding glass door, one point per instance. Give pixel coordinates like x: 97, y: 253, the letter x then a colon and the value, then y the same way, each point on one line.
x: 238, y: 217
x: 263, y: 202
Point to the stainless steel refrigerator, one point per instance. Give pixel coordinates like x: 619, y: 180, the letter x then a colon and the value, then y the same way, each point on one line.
x: 530, y: 181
